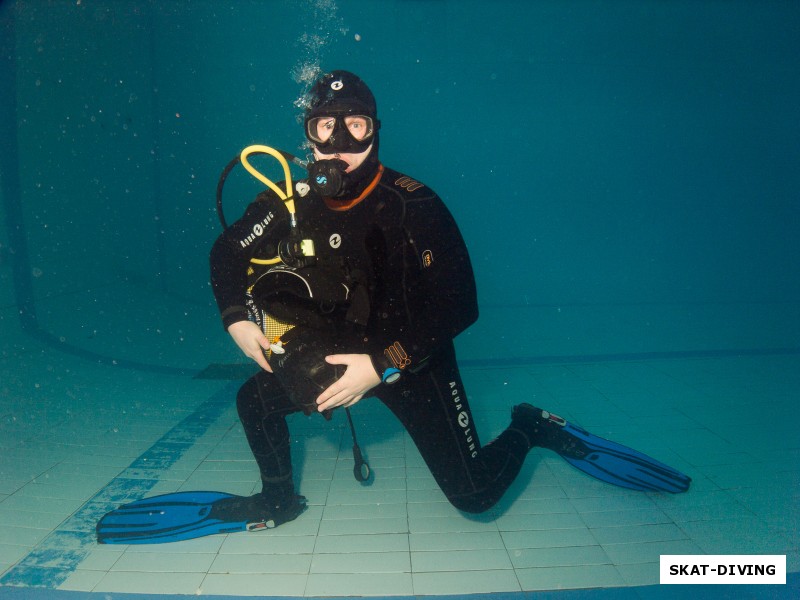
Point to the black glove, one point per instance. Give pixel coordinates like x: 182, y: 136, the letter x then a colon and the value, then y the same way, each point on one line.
x: 301, y: 368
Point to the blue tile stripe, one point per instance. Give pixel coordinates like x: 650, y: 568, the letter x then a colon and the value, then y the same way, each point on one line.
x: 57, y: 556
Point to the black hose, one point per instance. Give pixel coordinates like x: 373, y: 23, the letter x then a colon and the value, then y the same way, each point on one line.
x: 221, y: 184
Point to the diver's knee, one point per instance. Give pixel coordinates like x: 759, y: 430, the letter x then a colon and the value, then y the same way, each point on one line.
x: 472, y: 503
x: 247, y: 398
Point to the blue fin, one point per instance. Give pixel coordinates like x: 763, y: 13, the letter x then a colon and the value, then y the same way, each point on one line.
x: 184, y: 516
x: 166, y: 518
x: 602, y: 459
x: 617, y: 464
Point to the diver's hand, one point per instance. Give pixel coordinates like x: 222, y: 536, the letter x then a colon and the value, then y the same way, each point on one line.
x: 250, y: 339
x: 359, y: 378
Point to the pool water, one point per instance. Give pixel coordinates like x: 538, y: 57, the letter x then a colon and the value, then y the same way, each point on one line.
x: 625, y: 177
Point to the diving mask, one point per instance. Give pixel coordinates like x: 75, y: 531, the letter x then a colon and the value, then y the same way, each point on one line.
x: 341, y: 133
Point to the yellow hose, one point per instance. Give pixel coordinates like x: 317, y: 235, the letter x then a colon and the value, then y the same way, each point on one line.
x: 287, y: 197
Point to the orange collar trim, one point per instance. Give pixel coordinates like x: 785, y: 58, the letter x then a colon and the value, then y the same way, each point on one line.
x: 348, y: 204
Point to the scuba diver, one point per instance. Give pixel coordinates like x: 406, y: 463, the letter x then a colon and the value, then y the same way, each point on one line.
x: 358, y: 290
x: 393, y: 242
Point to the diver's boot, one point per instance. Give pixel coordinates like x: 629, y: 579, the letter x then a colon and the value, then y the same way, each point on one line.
x: 546, y: 430
x: 260, y: 511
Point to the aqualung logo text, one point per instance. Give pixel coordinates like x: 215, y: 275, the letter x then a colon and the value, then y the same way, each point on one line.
x: 463, y: 419
x: 257, y: 231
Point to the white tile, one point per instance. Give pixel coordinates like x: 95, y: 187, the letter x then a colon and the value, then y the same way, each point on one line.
x: 449, y: 524
x: 347, y: 543
x: 465, y: 582
x: 29, y: 519
x: 23, y: 536
x: 101, y: 560
x: 559, y: 578
x: 615, y: 502
x: 557, y: 538
x: 82, y: 580
x: 638, y: 533
x: 364, y: 511
x: 362, y: 562
x: 435, y: 542
x: 268, y: 544
x: 209, y: 544
x: 640, y: 574
x: 557, y: 527
x: 261, y: 563
x: 363, y: 496
x: 364, y: 526
x: 10, y: 554
x: 421, y: 510
x: 541, y: 522
x: 253, y: 584
x: 558, y: 557
x: 624, y: 517
x: 158, y: 562
x: 460, y: 560
x: 150, y: 583
x: 52, y: 490
x: 367, y: 584
x: 539, y: 506
x: 426, y: 495
x: 348, y: 484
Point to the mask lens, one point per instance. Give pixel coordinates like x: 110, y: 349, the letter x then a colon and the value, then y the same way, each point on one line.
x: 320, y: 129
x: 359, y: 127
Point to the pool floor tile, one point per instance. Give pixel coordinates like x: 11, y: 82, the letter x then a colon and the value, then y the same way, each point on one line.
x: 556, y: 529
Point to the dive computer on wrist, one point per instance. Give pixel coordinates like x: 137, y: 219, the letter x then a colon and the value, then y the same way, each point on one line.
x: 391, y: 375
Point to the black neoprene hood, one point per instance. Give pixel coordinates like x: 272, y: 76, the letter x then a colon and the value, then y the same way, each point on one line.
x: 341, y: 93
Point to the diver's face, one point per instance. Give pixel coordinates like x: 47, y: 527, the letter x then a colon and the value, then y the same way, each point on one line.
x: 353, y: 160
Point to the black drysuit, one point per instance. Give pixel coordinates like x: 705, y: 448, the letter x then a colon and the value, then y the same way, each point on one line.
x: 399, y: 242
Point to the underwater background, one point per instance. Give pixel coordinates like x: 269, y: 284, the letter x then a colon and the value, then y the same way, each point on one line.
x: 625, y: 174
x: 640, y: 155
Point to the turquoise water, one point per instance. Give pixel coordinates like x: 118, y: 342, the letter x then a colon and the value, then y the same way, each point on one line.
x: 625, y: 175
